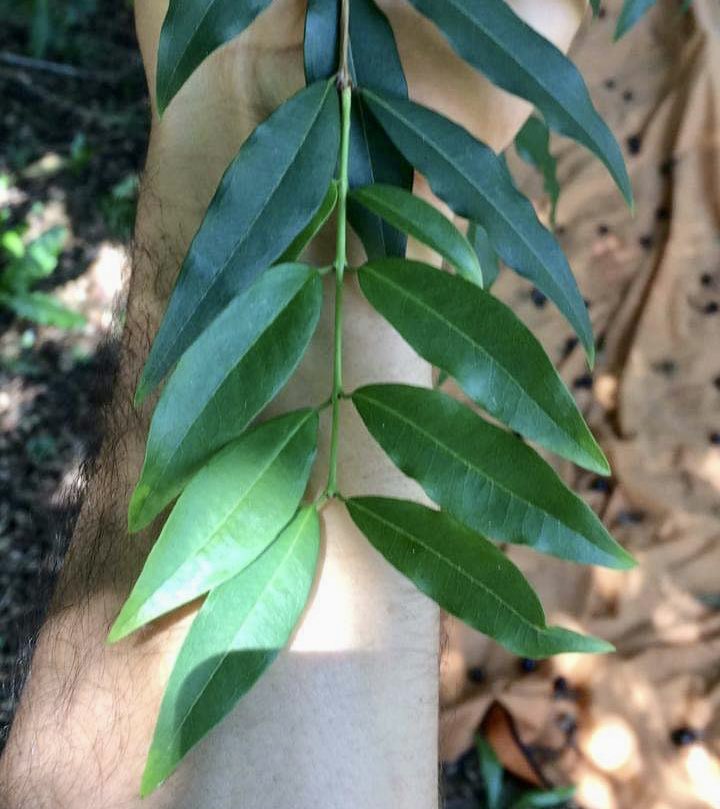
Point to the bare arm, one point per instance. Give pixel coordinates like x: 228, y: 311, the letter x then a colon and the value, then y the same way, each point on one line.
x: 348, y: 715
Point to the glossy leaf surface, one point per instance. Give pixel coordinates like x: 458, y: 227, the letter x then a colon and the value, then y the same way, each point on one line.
x: 373, y: 157
x: 424, y: 222
x: 483, y: 476
x: 235, y: 637
x: 465, y: 574
x: 268, y: 195
x: 476, y: 184
x: 192, y: 30
x: 226, y: 517
x: 532, y: 144
x: 486, y: 255
x: 478, y: 340
x: 498, y: 43
x: 237, y: 367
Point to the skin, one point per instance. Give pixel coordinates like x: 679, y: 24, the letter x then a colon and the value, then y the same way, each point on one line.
x: 348, y: 715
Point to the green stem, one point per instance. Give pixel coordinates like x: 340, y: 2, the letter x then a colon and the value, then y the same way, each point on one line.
x: 340, y: 265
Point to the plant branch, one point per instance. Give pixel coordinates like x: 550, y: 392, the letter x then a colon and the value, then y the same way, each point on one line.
x: 341, y: 250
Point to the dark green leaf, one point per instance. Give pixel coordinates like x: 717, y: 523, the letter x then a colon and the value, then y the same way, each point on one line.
x: 43, y: 309
x: 492, y: 772
x: 485, y: 477
x: 424, y: 222
x: 595, y: 7
x: 476, y: 184
x: 226, y: 517
x: 234, y: 639
x: 236, y: 367
x: 192, y: 30
x: 494, y: 357
x: 489, y: 264
x: 313, y: 227
x: 495, y: 41
x: 632, y: 11
x: 540, y: 799
x: 373, y: 158
x: 465, y: 574
x: 268, y: 195
x: 533, y: 145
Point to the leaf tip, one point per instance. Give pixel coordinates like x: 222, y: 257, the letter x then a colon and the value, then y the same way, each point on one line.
x: 137, y: 519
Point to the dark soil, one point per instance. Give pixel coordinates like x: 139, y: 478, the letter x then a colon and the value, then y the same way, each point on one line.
x: 93, y: 124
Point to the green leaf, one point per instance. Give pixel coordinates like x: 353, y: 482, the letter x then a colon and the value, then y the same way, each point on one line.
x: 226, y: 517
x: 540, y: 799
x: 313, y: 227
x: 192, y: 30
x: 236, y: 368
x: 465, y: 574
x: 495, y: 41
x: 495, y: 358
x: 235, y: 637
x: 38, y: 259
x: 631, y: 12
x: 489, y: 264
x: 43, y: 309
x: 476, y: 184
x: 595, y: 4
x: 532, y: 144
x: 483, y: 476
x: 424, y: 222
x: 373, y: 157
x: 491, y: 770
x: 268, y: 195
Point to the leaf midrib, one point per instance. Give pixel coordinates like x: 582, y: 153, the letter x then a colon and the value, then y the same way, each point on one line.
x: 240, y: 501
x: 271, y: 323
x: 224, y: 657
x: 457, y: 568
x: 470, y: 466
x: 464, y: 335
x: 244, y: 238
x: 499, y: 209
x: 533, y: 78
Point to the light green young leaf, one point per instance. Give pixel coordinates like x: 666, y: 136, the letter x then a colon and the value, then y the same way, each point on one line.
x: 373, y: 158
x: 424, y: 222
x: 37, y: 260
x: 42, y: 309
x: 491, y: 770
x: 465, y: 574
x: 313, y: 227
x: 631, y: 12
x: 226, y: 517
x: 495, y: 358
x: 192, y: 30
x: 489, y: 263
x: 532, y: 144
x: 268, y: 195
x: 476, y: 184
x: 495, y: 41
x: 235, y: 637
x: 223, y: 382
x: 483, y: 476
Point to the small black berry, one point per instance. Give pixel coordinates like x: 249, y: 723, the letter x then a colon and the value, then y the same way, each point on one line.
x: 683, y: 736
x: 584, y: 382
x: 610, y: 84
x: 646, y: 241
x: 714, y: 438
x: 561, y: 687
x: 706, y: 279
x: 711, y: 308
x: 528, y: 665
x: 628, y: 95
x: 662, y: 214
x: 476, y: 674
x: 600, y: 485
x: 570, y: 345
x: 634, y: 144
x: 538, y: 298
x: 630, y: 517
x: 603, y: 230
